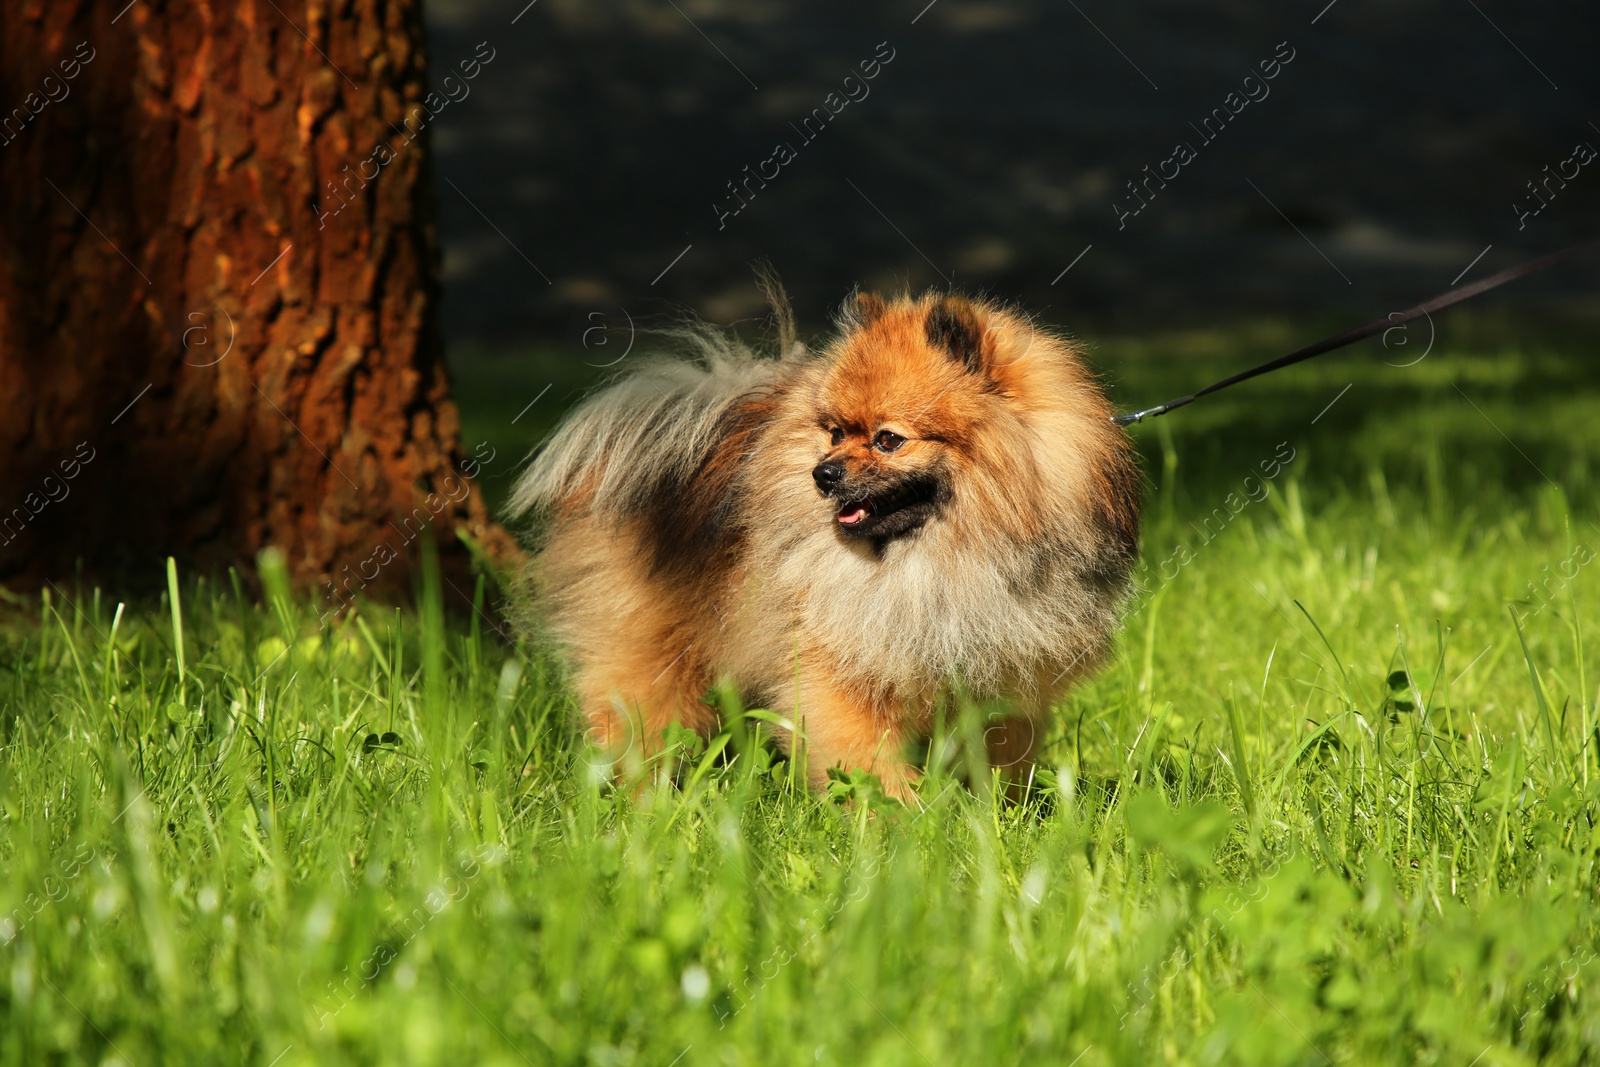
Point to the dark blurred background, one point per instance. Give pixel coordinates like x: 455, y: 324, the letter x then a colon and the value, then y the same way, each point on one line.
x: 1390, y: 152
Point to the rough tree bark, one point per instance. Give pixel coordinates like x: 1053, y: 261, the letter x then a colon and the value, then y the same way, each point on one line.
x: 213, y: 338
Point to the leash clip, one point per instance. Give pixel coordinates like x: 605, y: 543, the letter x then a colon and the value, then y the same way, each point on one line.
x: 1131, y: 417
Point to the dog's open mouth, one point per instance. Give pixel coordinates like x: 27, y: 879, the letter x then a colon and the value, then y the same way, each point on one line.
x: 892, y: 512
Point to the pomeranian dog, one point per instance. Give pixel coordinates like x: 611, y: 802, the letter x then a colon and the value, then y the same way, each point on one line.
x: 936, y: 499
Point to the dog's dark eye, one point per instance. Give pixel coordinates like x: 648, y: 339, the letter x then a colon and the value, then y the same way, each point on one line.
x: 888, y: 442
x: 836, y: 435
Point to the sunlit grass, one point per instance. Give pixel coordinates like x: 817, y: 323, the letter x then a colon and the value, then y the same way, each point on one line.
x: 1328, y: 804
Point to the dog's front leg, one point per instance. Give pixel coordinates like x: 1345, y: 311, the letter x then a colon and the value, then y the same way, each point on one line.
x: 847, y: 727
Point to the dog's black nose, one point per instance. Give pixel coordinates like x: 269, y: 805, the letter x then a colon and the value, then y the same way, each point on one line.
x: 827, y: 475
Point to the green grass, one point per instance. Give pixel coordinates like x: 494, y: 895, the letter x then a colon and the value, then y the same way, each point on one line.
x: 1328, y: 805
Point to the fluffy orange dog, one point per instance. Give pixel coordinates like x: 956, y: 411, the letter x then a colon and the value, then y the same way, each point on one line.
x: 938, y: 497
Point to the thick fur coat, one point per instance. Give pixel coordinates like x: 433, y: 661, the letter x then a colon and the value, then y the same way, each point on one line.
x: 936, y: 497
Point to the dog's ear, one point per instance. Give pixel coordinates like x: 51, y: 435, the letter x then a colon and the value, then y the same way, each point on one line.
x: 954, y: 325
x: 867, y: 308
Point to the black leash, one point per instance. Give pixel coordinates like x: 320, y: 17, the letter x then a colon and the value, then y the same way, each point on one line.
x: 1354, y: 334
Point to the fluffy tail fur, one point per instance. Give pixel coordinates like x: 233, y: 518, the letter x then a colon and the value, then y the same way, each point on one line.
x: 652, y: 426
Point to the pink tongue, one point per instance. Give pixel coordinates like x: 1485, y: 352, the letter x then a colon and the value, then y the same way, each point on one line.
x: 853, y: 516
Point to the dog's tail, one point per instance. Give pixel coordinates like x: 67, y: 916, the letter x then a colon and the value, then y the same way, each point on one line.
x: 651, y: 428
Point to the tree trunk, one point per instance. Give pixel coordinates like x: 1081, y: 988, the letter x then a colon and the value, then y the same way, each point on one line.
x: 218, y: 325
